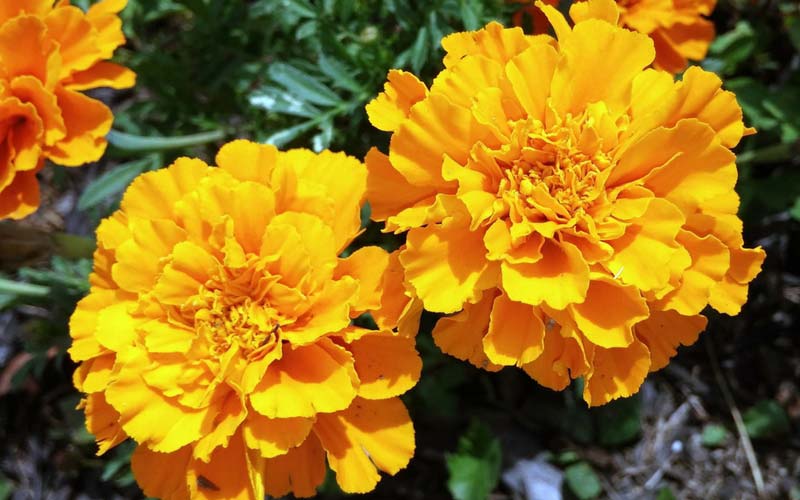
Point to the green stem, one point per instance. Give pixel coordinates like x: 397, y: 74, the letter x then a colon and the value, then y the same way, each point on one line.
x: 10, y: 287
x: 131, y: 142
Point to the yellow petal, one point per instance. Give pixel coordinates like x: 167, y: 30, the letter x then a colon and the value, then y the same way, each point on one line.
x: 162, y: 475
x: 388, y: 191
x: 616, y: 373
x: 146, y: 415
x: 461, y: 335
x: 102, y: 422
x: 605, y: 10
x: 493, y: 41
x: 560, y: 278
x: 641, y: 257
x: 401, y: 91
x: 308, y: 380
x: 447, y: 266
x: 368, y: 435
x: 530, y: 74
x: 227, y: 476
x: 87, y: 122
x: 664, y: 331
x: 387, y: 365
x: 609, y: 312
x: 516, y: 333
x: 248, y: 161
x: 102, y: 74
x: 153, y: 195
x: 299, y: 472
x: 561, y: 360
x: 598, y: 63
x: 231, y: 414
x: 273, y: 437
x: 710, y: 260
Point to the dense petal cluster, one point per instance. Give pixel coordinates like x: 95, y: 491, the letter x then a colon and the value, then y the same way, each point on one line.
x: 218, y: 333
x: 48, y: 54
x: 572, y: 211
x: 679, y: 28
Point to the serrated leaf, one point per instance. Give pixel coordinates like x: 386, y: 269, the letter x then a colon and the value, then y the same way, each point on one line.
x: 583, y: 481
x: 112, y: 182
x: 767, y: 419
x: 303, y: 85
x: 278, y: 101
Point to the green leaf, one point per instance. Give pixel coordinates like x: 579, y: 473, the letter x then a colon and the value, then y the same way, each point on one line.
x: 767, y: 419
x: 795, y: 210
x: 279, y: 101
x: 618, y: 422
x: 665, y: 493
x: 582, y: 480
x: 714, y: 435
x: 303, y: 85
x: 474, y: 469
x: 19, y: 289
x: 138, y: 143
x: 734, y: 46
x: 469, y: 15
x: 341, y: 75
x: 287, y: 135
x: 112, y: 182
x: 419, y: 51
x: 6, y: 487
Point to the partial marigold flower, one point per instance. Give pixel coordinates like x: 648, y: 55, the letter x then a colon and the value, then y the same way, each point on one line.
x: 679, y: 29
x: 218, y: 331
x: 48, y: 54
x: 570, y: 210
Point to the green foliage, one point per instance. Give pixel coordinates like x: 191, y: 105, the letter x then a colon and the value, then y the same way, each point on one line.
x: 474, y: 468
x: 582, y: 480
x: 714, y: 435
x: 767, y: 419
x: 283, y: 71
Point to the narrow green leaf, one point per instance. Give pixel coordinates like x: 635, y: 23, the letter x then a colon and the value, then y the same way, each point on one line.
x: 138, y: 143
x: 279, y: 101
x: 303, y: 85
x: 341, y: 75
x: 19, y: 289
x: 112, y: 182
x: 419, y: 51
x: 287, y: 135
x: 583, y: 481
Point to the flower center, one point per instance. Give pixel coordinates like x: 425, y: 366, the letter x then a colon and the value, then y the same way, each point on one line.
x: 227, y: 322
x: 558, y: 171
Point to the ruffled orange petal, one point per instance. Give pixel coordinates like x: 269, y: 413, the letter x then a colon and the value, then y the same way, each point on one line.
x: 366, y: 437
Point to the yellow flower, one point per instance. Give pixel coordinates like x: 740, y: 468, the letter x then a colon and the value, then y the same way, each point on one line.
x: 48, y: 54
x: 571, y: 210
x: 218, y: 336
x: 678, y: 28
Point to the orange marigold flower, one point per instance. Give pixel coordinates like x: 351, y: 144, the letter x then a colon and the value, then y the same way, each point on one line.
x: 678, y: 28
x: 572, y: 210
x: 48, y: 54
x: 218, y: 336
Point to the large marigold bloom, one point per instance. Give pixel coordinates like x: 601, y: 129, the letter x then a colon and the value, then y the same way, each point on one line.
x: 48, y: 54
x: 679, y: 28
x: 572, y: 210
x: 218, y: 336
